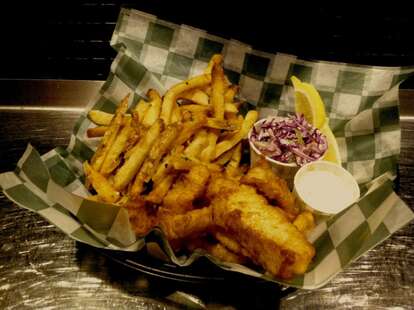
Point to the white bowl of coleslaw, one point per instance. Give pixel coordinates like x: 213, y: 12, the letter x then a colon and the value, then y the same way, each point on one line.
x: 287, y: 143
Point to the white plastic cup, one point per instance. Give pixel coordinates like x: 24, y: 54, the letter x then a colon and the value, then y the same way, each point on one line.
x: 325, y: 188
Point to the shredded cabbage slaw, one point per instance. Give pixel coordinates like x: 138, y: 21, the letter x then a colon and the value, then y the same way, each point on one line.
x: 290, y: 140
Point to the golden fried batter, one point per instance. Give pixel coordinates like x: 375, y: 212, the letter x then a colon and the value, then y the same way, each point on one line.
x: 178, y: 226
x: 273, y: 187
x: 187, y: 188
x: 263, y: 231
x: 141, y: 217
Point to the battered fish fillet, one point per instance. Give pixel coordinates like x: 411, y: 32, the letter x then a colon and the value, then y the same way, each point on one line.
x: 178, y: 226
x: 218, y: 250
x: 188, y: 187
x: 267, y: 182
x: 262, y: 230
x: 141, y: 217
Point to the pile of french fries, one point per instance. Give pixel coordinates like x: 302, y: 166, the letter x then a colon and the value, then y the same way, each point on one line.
x: 143, y: 150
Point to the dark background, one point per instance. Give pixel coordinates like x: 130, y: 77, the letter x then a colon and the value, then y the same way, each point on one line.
x: 70, y: 39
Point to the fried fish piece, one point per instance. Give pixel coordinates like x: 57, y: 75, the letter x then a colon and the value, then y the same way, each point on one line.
x: 188, y: 187
x: 273, y: 187
x: 304, y: 222
x: 216, y: 249
x: 142, y: 217
x: 263, y: 231
x: 179, y: 226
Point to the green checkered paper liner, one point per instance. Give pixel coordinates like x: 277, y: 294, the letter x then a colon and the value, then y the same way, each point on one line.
x: 363, y: 112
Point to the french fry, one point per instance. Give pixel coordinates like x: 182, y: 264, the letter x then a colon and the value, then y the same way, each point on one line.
x: 225, y: 157
x: 166, y: 165
x: 217, y: 91
x: 141, y: 109
x: 100, y: 117
x: 160, y: 189
x: 153, y: 110
x: 229, y: 107
x: 190, y: 128
x: 158, y: 150
x: 172, y: 94
x: 304, y: 222
x: 112, y: 159
x: 102, y: 186
x: 208, y: 153
x: 223, y: 124
x: 232, y: 168
x: 110, y: 135
x: 185, y: 162
x: 248, y: 123
x: 216, y: 59
x: 128, y: 170
x: 176, y: 114
x: 196, y: 146
x: 196, y: 96
x: 96, y: 131
x: 230, y: 93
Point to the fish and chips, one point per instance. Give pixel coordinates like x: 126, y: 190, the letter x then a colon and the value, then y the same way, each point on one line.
x: 174, y: 161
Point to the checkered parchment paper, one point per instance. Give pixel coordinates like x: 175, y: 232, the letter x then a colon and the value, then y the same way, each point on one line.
x: 362, y: 106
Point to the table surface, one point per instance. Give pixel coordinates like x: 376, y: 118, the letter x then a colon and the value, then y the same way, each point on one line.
x: 42, y: 267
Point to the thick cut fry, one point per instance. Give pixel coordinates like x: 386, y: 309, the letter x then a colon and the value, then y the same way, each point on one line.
x: 184, y: 225
x: 112, y: 159
x: 184, y: 162
x: 110, y: 135
x: 222, y: 124
x: 248, y: 123
x: 96, y: 131
x: 100, y: 117
x: 216, y: 59
x: 197, y: 145
x: 158, y: 150
x: 231, y: 91
x: 232, y: 168
x: 172, y: 94
x: 200, y: 97
x: 102, y: 186
x: 166, y: 165
x: 230, y: 107
x: 195, y: 96
x: 225, y: 157
x: 190, y: 128
x: 208, y: 153
x: 141, y: 109
x: 128, y: 170
x: 217, y: 91
x: 160, y: 189
x: 154, y: 109
x: 304, y: 222
x: 176, y: 114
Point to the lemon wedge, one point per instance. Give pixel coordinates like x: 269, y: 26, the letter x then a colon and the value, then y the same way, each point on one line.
x: 332, y: 153
x: 309, y: 103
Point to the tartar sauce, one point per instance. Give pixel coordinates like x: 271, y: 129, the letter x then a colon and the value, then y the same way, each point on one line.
x: 324, y: 191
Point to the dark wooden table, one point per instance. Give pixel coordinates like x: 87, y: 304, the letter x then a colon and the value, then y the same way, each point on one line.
x: 41, y: 267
